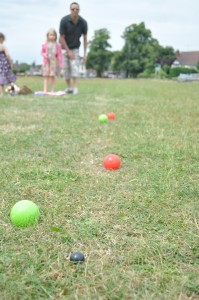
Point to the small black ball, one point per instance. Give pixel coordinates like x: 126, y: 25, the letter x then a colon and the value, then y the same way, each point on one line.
x: 77, y: 257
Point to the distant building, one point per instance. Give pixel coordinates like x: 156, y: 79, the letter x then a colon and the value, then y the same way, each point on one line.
x: 34, y: 71
x: 86, y: 73
x: 187, y: 59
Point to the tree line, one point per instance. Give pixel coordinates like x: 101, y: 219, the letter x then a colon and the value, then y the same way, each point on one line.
x: 139, y: 57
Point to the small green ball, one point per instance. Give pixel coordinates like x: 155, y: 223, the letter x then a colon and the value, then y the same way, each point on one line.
x: 102, y: 118
x: 24, y: 213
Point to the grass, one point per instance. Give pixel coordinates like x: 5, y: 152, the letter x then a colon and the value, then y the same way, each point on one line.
x: 138, y: 226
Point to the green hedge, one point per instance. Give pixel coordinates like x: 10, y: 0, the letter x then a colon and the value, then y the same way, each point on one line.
x: 175, y: 72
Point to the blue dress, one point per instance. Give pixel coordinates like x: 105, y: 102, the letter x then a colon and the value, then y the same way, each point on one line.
x: 6, y: 74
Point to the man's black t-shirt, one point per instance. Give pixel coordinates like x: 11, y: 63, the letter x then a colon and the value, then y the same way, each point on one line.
x: 73, y: 31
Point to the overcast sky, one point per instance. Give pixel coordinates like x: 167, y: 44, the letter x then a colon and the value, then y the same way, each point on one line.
x: 25, y: 22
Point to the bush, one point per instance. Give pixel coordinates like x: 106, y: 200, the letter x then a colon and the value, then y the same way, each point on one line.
x: 175, y: 72
x: 146, y: 74
x: 166, y: 69
x: 163, y: 74
x: 197, y: 66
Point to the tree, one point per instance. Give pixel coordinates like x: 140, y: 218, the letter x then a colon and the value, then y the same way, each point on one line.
x: 99, y: 56
x: 33, y: 64
x: 165, y: 56
x: 21, y: 67
x: 117, y: 60
x: 197, y: 66
x: 140, y: 49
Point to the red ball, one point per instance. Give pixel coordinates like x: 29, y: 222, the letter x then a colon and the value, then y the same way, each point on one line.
x: 112, y: 162
x: 111, y: 116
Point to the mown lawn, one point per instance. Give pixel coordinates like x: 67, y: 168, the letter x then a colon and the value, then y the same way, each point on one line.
x: 137, y: 226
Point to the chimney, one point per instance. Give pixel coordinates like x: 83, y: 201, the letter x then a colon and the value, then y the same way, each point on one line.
x: 177, y: 54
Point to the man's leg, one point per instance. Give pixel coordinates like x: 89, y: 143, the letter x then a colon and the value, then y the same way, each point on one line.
x: 75, y: 85
x: 66, y: 72
x: 75, y: 71
x: 68, y: 84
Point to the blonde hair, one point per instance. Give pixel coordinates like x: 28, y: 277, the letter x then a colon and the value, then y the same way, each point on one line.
x: 53, y: 31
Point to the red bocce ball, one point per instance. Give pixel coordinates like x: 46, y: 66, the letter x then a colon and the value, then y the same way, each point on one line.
x: 112, y: 162
x: 111, y: 116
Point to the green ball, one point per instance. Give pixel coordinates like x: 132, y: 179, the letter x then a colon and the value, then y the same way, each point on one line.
x: 24, y: 213
x: 103, y: 118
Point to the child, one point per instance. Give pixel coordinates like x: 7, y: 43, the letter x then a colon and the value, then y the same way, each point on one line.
x: 52, y: 59
x: 6, y: 74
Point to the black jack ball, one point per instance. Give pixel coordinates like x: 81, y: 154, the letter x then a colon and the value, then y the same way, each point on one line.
x: 77, y: 257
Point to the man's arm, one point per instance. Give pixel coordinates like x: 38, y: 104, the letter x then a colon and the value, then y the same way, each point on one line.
x: 64, y: 44
x: 85, y: 47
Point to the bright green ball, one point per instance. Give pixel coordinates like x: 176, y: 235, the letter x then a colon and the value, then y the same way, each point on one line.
x: 102, y: 118
x: 24, y: 213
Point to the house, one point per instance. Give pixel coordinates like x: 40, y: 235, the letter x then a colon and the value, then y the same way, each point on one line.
x: 34, y: 71
x: 188, y: 59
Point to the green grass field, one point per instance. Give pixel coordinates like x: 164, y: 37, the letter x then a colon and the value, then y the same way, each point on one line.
x: 137, y: 226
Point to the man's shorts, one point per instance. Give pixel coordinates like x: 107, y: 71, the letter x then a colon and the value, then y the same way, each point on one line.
x: 71, y: 66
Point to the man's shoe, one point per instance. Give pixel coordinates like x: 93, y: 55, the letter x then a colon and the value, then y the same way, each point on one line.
x: 75, y: 91
x: 69, y: 91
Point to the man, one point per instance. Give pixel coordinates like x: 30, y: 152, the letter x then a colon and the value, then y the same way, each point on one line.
x: 72, y: 27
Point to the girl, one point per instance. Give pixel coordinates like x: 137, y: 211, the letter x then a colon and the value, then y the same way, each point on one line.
x: 52, y: 59
x: 6, y: 74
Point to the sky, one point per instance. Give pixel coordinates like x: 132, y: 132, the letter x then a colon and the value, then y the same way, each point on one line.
x: 25, y: 23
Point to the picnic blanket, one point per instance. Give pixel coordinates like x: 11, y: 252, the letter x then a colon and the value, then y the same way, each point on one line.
x: 59, y: 93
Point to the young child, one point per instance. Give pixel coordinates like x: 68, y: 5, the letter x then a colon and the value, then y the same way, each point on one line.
x: 6, y: 74
x: 52, y: 59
